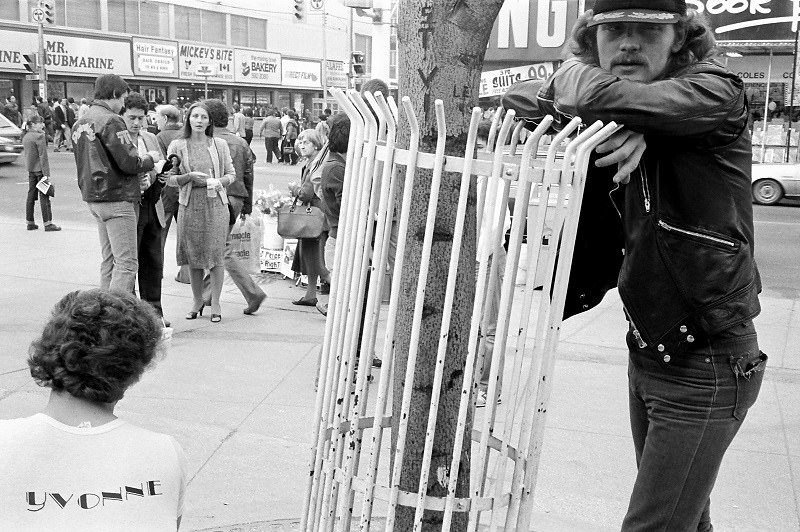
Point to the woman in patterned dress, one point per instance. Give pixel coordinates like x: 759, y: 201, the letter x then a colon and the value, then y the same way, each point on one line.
x: 206, y: 169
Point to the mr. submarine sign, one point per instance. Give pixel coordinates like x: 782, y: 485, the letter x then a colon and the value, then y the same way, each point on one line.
x: 532, y: 31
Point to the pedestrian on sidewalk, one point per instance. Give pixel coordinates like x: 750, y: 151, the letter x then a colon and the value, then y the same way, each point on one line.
x: 203, y: 217
x: 168, y: 121
x: 65, y: 119
x: 55, y: 463
x: 271, y: 130
x: 151, y: 219
x: 109, y: 166
x: 308, y: 258
x: 240, y: 198
x: 678, y: 176
x: 35, y: 145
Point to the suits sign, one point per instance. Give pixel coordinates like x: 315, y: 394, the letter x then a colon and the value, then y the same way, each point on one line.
x: 257, y: 67
x: 497, y: 82
x: 67, y: 55
x: 218, y: 59
x: 155, y: 58
x: 297, y: 73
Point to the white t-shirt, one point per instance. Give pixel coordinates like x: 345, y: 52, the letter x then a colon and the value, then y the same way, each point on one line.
x: 113, y: 477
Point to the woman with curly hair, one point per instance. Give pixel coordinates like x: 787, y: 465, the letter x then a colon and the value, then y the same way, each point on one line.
x: 75, y: 465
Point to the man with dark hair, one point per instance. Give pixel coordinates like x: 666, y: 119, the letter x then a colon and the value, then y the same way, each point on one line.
x: 168, y: 121
x: 65, y: 119
x: 47, y: 115
x: 109, y: 166
x: 152, y: 219
x: 375, y: 85
x: 684, y: 217
x: 271, y: 130
x: 237, y: 125
x: 240, y: 196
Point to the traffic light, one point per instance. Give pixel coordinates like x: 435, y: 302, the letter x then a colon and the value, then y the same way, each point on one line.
x: 358, y: 63
x: 299, y: 9
x: 49, y: 10
x: 30, y: 63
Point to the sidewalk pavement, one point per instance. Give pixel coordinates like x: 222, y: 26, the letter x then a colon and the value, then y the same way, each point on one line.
x: 239, y: 397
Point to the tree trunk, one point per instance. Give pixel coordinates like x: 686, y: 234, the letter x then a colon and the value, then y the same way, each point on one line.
x: 441, y: 49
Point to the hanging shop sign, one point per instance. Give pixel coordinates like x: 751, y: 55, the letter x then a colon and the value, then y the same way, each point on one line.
x: 755, y: 68
x: 336, y: 74
x: 155, y: 58
x: 67, y: 55
x: 298, y: 73
x: 497, y: 82
x: 526, y: 31
x: 257, y: 67
x: 750, y: 20
x: 193, y: 57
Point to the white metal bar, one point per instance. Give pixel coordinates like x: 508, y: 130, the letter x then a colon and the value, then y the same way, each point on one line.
x: 469, y: 367
x: 327, y: 361
x: 417, y: 317
x: 447, y: 310
x: 567, y: 247
x: 394, y: 301
x: 353, y: 440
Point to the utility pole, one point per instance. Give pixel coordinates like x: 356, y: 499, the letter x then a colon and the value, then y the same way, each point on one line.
x: 324, y: 58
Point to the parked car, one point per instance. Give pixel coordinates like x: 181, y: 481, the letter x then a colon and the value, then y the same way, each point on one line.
x: 10, y: 141
x: 774, y: 181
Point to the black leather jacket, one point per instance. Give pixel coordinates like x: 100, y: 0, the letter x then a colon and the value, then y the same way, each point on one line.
x: 688, y: 270
x: 108, y: 162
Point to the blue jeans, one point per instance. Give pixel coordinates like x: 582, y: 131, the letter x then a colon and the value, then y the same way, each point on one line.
x: 116, y: 225
x: 685, y: 410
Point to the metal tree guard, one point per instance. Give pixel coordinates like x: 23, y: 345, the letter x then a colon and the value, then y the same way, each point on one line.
x: 506, y: 441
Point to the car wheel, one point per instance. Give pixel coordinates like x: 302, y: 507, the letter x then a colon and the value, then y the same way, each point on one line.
x: 767, y: 192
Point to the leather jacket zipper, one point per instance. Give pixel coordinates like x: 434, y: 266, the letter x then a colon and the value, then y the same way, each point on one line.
x: 636, y: 334
x: 716, y: 240
x: 645, y: 188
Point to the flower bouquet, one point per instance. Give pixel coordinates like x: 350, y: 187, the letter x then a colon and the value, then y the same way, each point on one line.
x: 269, y: 201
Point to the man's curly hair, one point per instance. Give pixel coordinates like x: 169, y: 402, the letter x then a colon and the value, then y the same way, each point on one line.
x: 699, y: 43
x: 96, y: 344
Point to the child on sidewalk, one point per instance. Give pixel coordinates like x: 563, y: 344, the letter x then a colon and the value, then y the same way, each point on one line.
x: 38, y: 166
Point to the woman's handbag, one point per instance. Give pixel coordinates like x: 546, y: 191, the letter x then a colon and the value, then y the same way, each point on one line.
x: 300, y: 221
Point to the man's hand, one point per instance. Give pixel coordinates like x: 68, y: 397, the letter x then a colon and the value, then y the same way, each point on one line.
x: 626, y: 149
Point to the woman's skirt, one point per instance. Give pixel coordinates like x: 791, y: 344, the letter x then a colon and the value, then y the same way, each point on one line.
x: 202, y: 230
x: 308, y: 257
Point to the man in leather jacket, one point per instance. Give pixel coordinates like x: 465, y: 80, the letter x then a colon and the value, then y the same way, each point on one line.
x: 676, y: 237
x: 108, y: 175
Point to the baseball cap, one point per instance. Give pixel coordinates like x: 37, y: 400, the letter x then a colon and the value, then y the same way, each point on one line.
x: 649, y: 11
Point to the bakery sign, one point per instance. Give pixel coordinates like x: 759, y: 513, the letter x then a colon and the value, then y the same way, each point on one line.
x: 218, y: 59
x: 257, y: 67
x: 68, y: 55
x: 155, y: 58
x: 298, y: 73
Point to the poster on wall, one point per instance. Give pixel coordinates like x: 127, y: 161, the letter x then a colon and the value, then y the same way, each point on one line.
x: 155, y: 58
x: 218, y: 60
x: 298, y: 73
x: 257, y: 67
x: 67, y: 55
x: 336, y: 74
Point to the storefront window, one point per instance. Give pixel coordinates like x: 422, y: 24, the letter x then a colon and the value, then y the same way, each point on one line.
x: 154, y: 19
x: 195, y: 93
x: 123, y: 16
x: 80, y: 90
x: 83, y: 14
x: 10, y: 12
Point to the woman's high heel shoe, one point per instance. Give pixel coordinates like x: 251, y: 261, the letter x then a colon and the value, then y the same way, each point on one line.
x: 216, y: 318
x: 193, y: 314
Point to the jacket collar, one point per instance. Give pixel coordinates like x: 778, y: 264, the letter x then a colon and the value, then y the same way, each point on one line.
x: 100, y: 103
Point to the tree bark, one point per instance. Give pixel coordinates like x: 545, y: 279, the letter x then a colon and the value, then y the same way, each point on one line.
x: 441, y: 49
